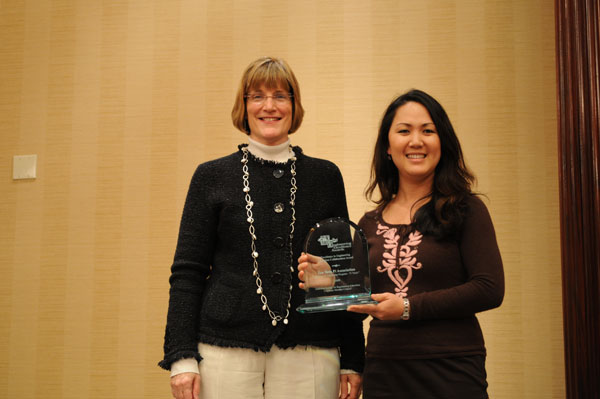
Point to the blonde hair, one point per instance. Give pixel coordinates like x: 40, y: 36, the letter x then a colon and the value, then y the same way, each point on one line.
x: 272, y: 73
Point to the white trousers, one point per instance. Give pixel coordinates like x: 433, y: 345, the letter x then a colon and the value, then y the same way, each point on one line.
x: 299, y: 373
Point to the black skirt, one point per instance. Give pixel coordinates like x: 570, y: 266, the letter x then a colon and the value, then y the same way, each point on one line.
x: 445, y: 378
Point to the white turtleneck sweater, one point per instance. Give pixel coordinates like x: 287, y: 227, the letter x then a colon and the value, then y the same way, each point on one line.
x: 277, y: 153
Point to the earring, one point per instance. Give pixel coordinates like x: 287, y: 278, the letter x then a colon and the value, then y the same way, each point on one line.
x: 389, y: 157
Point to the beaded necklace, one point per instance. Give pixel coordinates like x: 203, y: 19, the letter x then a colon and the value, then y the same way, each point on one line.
x: 275, y: 317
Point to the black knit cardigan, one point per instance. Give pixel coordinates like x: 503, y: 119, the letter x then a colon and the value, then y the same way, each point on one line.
x: 213, y: 295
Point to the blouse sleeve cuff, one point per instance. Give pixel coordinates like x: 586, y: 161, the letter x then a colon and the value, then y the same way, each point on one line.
x: 188, y: 365
x: 348, y: 371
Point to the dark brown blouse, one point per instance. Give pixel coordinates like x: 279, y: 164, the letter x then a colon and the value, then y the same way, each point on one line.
x: 447, y: 283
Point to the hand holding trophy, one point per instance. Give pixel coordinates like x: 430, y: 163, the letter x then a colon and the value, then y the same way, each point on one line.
x: 334, y: 268
x: 315, y: 272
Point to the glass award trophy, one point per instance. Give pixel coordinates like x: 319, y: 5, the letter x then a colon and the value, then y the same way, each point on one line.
x: 338, y: 275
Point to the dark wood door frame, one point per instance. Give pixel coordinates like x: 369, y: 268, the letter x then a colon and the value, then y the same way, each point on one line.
x: 578, y: 79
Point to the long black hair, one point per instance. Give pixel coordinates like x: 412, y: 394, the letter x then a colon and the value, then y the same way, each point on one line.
x: 443, y: 214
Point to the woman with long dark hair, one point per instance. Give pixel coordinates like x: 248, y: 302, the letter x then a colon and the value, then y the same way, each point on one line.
x: 434, y: 260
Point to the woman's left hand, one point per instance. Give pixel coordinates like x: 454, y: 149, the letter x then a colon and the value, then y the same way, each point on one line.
x: 389, y: 307
x: 355, y: 382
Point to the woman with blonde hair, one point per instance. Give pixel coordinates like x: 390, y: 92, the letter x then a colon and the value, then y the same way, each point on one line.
x: 232, y: 329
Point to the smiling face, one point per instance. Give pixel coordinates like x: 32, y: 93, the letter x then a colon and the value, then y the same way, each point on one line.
x: 414, y: 144
x: 271, y: 119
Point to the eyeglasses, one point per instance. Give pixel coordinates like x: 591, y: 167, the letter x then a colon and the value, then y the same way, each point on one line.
x: 278, y: 98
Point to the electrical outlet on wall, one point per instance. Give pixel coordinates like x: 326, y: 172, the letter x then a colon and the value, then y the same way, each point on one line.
x: 24, y: 167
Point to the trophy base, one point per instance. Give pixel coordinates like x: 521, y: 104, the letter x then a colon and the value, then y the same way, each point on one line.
x: 335, y: 304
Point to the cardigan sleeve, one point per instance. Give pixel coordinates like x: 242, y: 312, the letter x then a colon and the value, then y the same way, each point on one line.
x: 352, y: 347
x: 484, y: 285
x: 189, y: 271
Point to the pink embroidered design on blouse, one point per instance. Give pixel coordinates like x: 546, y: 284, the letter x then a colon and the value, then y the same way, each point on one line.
x: 396, y: 259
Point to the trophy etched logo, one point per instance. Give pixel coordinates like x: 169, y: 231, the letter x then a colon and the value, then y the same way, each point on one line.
x: 338, y: 275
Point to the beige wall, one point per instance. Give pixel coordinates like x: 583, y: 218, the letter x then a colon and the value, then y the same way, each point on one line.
x: 121, y: 100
